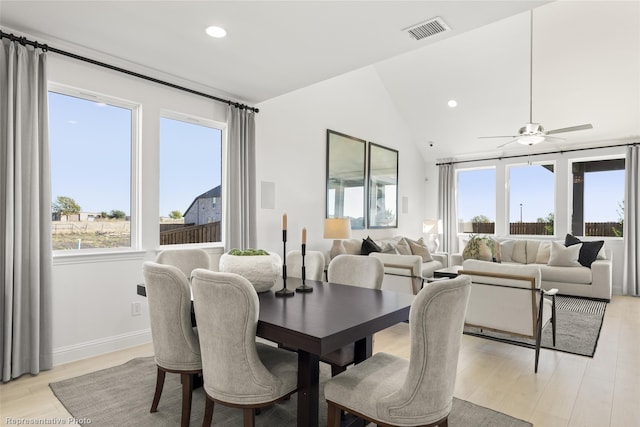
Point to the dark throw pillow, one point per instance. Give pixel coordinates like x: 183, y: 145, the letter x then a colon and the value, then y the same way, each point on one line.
x: 588, y: 251
x: 368, y: 246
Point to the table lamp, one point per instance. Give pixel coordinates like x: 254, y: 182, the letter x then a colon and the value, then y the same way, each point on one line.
x: 432, y: 228
x: 337, y: 229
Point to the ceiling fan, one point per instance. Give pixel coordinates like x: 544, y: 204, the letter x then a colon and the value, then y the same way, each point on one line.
x: 533, y: 133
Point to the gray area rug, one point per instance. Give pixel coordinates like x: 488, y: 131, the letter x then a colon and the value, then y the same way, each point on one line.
x: 122, y: 395
x: 579, y: 321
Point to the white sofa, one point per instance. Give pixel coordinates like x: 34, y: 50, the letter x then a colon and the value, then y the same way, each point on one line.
x: 593, y: 282
x: 402, y: 272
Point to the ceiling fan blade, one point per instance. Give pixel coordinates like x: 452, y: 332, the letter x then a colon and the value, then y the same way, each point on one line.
x: 498, y: 136
x: 571, y: 129
x: 507, y: 143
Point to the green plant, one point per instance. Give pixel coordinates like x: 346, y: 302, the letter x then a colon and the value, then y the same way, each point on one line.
x: 175, y: 214
x: 116, y: 214
x: 617, y: 231
x: 480, y: 218
x: 248, y: 252
x: 65, y: 206
x: 548, y: 221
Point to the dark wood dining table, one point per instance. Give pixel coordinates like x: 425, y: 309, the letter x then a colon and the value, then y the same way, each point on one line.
x: 319, y: 322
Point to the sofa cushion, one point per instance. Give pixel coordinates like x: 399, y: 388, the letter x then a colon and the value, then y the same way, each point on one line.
x: 419, y: 248
x: 579, y: 274
x: 589, y: 250
x: 564, y: 256
x: 519, y: 253
x: 506, y: 250
x: 352, y: 246
x: 368, y: 246
x: 532, y: 250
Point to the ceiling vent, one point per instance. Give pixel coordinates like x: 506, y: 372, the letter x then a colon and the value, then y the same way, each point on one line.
x: 428, y: 28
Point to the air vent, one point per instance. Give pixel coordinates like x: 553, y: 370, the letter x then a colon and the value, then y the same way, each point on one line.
x: 428, y: 28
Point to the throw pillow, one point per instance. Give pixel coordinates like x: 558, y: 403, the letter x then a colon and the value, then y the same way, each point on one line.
x: 403, y: 247
x: 589, y: 250
x: 544, y: 253
x: 564, y: 256
x: 481, y: 248
x: 368, y: 246
x: 420, y: 248
x: 519, y: 253
x: 506, y: 249
x: 352, y: 246
x: 389, y: 248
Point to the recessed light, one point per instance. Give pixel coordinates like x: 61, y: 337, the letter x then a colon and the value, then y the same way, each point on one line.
x: 217, y: 32
x: 452, y: 103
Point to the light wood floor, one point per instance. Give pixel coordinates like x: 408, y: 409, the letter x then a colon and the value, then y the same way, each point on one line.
x: 567, y: 391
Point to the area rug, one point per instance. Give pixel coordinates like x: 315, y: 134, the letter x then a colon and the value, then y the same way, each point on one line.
x: 122, y: 395
x: 578, y: 325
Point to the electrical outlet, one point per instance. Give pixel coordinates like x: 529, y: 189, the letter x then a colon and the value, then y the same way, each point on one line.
x: 136, y: 309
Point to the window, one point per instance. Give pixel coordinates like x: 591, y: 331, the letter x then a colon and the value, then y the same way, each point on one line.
x: 598, y: 198
x: 531, y: 199
x: 190, y: 181
x: 91, y: 143
x: 477, y: 201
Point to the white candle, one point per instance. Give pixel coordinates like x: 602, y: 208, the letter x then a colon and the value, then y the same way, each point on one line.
x: 304, y: 236
x: 284, y: 221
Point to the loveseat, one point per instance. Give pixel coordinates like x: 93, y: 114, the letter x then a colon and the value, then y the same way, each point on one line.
x: 407, y: 262
x: 574, y: 267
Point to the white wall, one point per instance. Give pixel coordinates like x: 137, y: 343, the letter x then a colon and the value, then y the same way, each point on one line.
x: 291, y: 153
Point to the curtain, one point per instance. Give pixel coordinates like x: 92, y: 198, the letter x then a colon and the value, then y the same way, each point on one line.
x: 25, y: 207
x: 447, y: 207
x: 631, y: 270
x: 240, y: 220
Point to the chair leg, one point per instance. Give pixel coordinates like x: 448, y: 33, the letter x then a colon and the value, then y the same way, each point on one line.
x: 336, y: 369
x: 159, y: 385
x: 249, y: 417
x: 187, y: 387
x: 444, y: 423
x: 553, y: 318
x: 208, y: 412
x: 333, y: 415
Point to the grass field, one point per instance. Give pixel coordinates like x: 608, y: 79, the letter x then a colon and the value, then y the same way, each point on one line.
x: 90, y: 239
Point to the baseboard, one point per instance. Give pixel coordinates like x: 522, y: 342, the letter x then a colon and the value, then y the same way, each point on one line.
x: 97, y: 347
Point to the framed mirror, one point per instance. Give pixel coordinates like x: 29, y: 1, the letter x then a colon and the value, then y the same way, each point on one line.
x: 383, y: 187
x: 346, y: 157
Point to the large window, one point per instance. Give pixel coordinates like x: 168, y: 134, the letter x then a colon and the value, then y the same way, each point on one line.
x: 190, y: 181
x: 531, y: 199
x: 91, y: 143
x: 598, y: 197
x: 477, y: 201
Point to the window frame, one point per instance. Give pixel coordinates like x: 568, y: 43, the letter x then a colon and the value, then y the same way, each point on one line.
x: 214, y: 124
x: 134, y: 167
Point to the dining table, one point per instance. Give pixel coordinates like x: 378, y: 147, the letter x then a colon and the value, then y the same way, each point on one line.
x: 319, y: 322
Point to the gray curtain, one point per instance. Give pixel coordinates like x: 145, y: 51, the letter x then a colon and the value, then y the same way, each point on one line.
x: 240, y: 210
x: 631, y: 270
x: 25, y: 206
x: 447, y: 208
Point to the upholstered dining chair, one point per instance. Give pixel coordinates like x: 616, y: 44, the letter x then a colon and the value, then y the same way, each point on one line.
x: 237, y: 370
x: 392, y: 391
x: 313, y: 261
x: 175, y: 341
x: 186, y: 260
x: 354, y: 270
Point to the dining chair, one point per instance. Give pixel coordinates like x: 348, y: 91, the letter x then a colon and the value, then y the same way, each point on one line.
x: 238, y: 371
x: 353, y: 270
x: 175, y: 341
x: 186, y: 260
x: 313, y: 261
x: 392, y: 391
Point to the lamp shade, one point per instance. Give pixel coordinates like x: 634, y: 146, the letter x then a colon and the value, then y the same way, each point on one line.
x: 337, y: 228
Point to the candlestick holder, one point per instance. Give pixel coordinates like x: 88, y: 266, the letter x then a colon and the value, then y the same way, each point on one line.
x: 284, y: 292
x: 304, y: 287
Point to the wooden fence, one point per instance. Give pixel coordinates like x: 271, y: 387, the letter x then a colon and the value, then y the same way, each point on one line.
x: 192, y: 234
x: 599, y: 229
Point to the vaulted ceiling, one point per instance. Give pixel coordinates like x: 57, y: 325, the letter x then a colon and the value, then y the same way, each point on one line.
x: 586, y: 57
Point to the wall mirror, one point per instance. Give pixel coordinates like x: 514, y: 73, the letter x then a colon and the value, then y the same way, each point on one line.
x: 346, y: 157
x: 383, y: 187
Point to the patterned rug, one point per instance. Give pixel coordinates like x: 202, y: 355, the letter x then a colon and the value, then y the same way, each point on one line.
x: 579, y: 321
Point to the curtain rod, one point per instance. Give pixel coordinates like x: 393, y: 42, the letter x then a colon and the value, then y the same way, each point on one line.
x: 537, y: 154
x: 45, y: 47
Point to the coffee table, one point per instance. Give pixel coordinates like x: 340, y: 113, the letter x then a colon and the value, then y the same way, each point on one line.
x: 448, y: 272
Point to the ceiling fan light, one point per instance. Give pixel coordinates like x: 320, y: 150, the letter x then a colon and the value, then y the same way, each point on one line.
x: 530, y: 139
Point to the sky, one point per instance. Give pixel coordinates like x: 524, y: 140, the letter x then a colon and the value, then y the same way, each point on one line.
x: 90, y: 141
x: 533, y: 187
